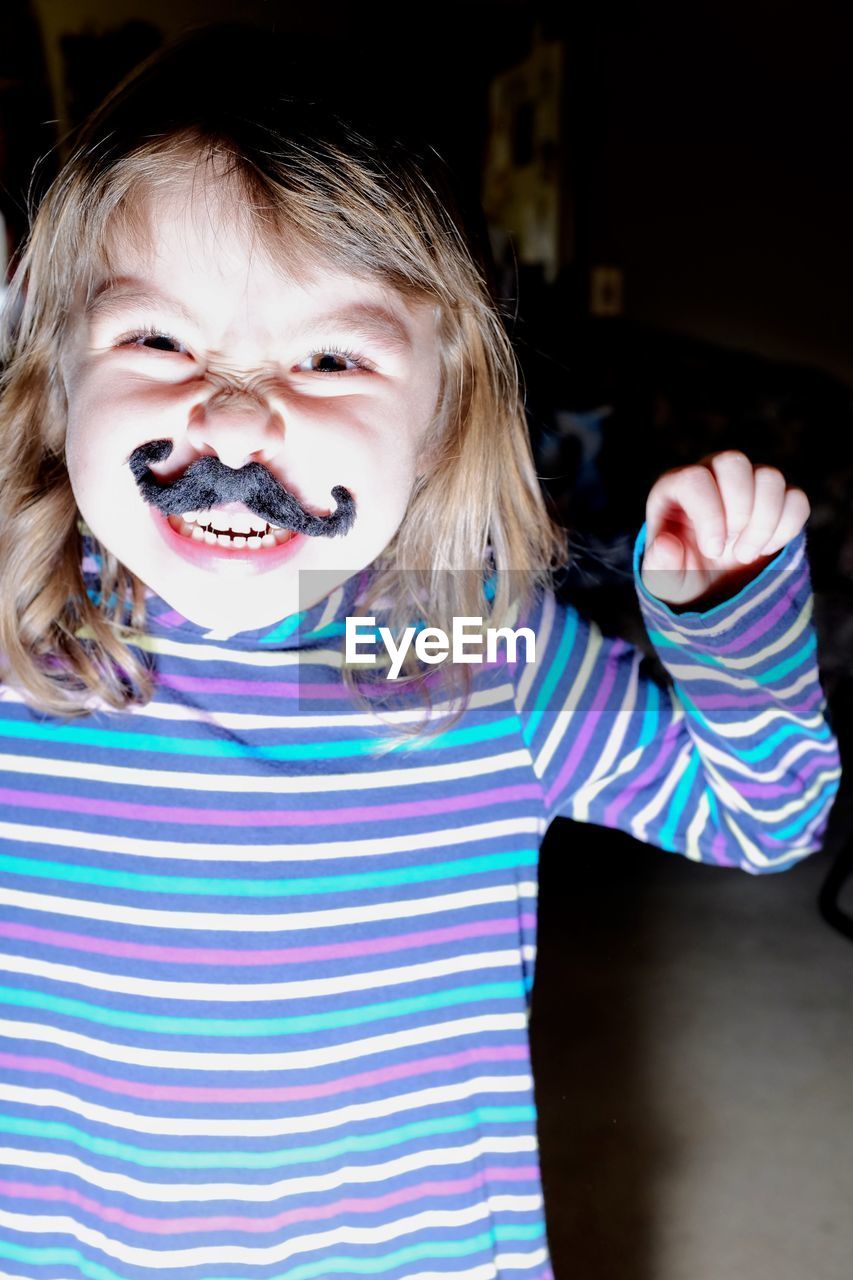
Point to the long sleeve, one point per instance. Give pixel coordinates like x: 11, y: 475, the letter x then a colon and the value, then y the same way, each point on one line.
x: 734, y: 764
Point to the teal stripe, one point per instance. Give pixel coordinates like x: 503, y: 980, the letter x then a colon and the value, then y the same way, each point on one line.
x: 285, y: 1158
x: 296, y: 1025
x: 798, y: 824
x: 340, y: 1265
x: 291, y: 624
x: 768, y: 744
x: 285, y: 628
x: 331, y: 749
x: 797, y: 658
x: 290, y: 887
x: 782, y: 668
x: 651, y: 714
x: 665, y: 837
x: 556, y: 672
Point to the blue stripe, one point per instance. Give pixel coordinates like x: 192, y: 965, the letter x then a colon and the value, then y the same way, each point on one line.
x: 338, y: 1265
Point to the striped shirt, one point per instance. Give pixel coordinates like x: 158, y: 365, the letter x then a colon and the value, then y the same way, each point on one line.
x: 266, y: 967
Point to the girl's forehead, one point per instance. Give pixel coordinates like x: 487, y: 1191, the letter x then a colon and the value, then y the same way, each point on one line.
x: 198, y: 238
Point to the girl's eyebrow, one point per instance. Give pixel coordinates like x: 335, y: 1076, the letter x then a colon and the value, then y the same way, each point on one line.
x: 373, y: 320
x: 112, y: 295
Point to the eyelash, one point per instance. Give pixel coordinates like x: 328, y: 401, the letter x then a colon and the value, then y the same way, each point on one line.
x: 330, y: 349
x: 150, y: 331
x: 342, y: 353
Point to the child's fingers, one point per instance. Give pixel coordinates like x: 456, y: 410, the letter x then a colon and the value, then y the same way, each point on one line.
x: 767, y: 507
x: 694, y: 491
x: 734, y: 474
x: 796, y: 510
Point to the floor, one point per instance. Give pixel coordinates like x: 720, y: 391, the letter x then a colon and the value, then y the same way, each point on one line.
x: 693, y: 1051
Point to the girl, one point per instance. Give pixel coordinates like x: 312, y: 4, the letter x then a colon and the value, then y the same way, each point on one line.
x: 266, y: 963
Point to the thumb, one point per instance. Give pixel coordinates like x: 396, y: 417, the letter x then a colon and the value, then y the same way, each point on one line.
x: 664, y: 566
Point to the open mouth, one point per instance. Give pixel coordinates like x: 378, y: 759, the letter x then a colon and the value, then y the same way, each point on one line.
x: 232, y: 530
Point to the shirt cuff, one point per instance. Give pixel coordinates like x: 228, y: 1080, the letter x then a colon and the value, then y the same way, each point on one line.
x: 781, y: 560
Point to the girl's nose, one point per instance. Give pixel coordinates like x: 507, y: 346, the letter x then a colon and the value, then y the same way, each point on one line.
x: 238, y: 429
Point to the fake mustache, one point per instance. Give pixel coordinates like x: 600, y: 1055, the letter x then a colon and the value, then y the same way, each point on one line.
x: 207, y: 482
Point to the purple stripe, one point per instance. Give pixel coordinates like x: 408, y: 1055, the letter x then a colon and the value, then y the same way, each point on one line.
x: 590, y: 721
x: 296, y: 955
x: 282, y: 1093
x: 657, y: 771
x: 723, y: 701
x: 766, y: 621
x: 491, y: 1174
x: 719, y: 851
x: 772, y: 791
x: 182, y: 814
x: 252, y: 688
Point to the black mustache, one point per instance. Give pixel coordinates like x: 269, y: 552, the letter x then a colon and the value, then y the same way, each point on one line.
x: 207, y: 482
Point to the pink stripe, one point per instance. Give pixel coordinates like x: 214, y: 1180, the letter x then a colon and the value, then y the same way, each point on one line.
x: 292, y: 1093
x: 590, y: 722
x: 182, y: 814
x: 492, y: 1174
x: 252, y: 688
x: 296, y: 955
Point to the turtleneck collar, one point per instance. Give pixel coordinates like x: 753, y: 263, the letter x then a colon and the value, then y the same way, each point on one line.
x: 319, y: 624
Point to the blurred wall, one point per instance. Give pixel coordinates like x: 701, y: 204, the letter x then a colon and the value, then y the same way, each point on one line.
x: 712, y: 145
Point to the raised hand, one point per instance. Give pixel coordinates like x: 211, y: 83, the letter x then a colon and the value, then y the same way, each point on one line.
x: 713, y: 526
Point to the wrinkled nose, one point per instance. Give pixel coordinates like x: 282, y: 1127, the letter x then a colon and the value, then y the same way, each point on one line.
x: 238, y: 429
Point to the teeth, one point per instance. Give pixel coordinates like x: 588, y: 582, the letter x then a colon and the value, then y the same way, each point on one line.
x: 228, y: 522
x: 200, y: 530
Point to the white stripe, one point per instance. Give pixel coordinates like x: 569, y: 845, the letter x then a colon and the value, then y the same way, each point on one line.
x: 140, y: 917
x: 221, y: 1255
x: 725, y: 680
x: 783, y: 768
x: 639, y: 823
x: 295, y: 1060
x: 749, y: 728
x: 731, y: 798
x: 263, y: 1192
x: 480, y: 698
x: 201, y: 851
x: 752, y: 854
x: 543, y: 638
x: 251, y: 992
x: 283, y: 660
x: 246, y: 1127
x: 346, y: 783
x: 699, y: 823
x: 520, y: 1261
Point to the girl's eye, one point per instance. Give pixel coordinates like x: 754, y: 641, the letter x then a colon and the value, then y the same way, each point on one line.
x: 153, y: 340
x: 332, y: 362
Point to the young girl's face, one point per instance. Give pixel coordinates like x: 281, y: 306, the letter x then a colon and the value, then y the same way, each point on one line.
x: 325, y: 379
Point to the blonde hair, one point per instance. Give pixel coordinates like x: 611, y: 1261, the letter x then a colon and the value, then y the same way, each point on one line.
x: 372, y: 207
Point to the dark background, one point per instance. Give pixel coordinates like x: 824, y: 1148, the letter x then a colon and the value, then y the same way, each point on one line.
x: 702, y: 151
